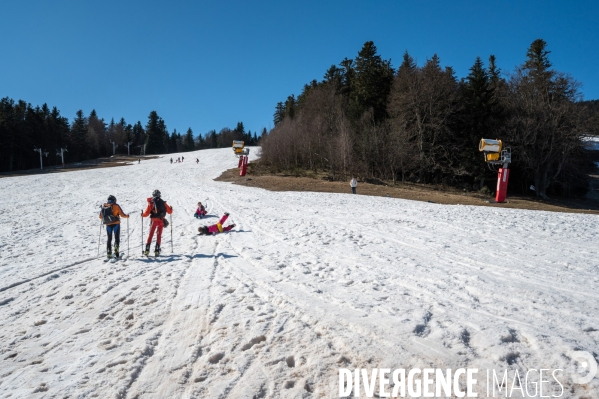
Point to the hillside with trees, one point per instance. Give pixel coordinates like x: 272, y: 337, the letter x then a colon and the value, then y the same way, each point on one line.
x: 24, y: 127
x: 423, y: 124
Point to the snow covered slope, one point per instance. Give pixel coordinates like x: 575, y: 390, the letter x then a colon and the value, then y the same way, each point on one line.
x: 306, y: 283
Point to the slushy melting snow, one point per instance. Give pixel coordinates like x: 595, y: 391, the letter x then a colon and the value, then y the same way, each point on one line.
x: 306, y: 284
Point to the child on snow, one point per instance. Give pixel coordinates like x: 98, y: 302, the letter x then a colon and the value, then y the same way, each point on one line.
x: 216, y: 228
x: 200, y: 212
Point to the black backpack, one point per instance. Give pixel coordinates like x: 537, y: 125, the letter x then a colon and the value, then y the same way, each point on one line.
x: 159, y: 210
x: 107, y: 216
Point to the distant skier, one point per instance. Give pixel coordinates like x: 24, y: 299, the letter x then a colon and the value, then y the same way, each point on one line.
x: 197, y: 161
x: 110, y: 214
x: 216, y: 228
x: 182, y: 159
x: 200, y: 212
x: 171, y: 161
x: 353, y: 184
x: 157, y: 209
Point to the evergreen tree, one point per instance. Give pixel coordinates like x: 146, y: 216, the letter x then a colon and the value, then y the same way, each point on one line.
x: 154, y: 134
x: 172, y: 145
x: 239, y: 132
x: 478, y: 119
x: 212, y: 139
x: 537, y: 62
x: 290, y: 105
x: 188, y: 142
x: 334, y: 76
x: 78, y: 137
x: 279, y: 113
x: 138, y: 134
x: 545, y: 124
x: 494, y: 75
x: 348, y: 74
x: 96, y: 135
x: 372, y: 83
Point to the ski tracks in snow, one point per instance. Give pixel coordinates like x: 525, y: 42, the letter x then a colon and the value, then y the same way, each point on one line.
x: 305, y: 284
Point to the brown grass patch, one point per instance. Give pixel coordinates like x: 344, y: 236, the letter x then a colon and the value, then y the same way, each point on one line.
x: 258, y: 176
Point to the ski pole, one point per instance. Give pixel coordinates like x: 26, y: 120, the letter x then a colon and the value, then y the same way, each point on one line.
x: 127, y: 236
x: 171, y: 216
x: 99, y: 237
x: 142, y: 232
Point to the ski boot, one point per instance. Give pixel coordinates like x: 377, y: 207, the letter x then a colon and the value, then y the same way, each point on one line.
x: 108, y: 253
x: 116, y: 251
x: 157, y: 250
x: 147, y: 251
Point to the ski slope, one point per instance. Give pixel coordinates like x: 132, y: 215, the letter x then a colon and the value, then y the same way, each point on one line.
x: 305, y: 284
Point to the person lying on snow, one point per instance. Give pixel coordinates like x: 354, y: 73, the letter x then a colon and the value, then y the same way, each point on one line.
x: 200, y: 212
x: 216, y: 228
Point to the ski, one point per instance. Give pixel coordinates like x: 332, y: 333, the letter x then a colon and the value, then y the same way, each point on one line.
x: 113, y: 258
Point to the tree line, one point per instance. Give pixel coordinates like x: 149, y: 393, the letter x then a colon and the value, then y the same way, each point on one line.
x: 423, y: 124
x: 24, y: 127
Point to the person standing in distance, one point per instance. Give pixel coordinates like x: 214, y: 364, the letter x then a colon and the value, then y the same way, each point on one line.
x: 157, y: 209
x: 353, y: 184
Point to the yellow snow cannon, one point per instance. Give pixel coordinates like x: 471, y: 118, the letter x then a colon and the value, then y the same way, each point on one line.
x: 238, y: 147
x: 490, y: 145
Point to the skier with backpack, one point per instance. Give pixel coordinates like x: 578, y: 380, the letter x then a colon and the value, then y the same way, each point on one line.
x: 110, y: 214
x: 157, y: 209
x: 216, y: 228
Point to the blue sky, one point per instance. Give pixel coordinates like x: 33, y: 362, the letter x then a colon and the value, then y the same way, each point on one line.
x: 209, y: 65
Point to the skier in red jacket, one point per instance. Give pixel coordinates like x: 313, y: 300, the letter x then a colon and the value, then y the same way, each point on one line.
x: 157, y: 209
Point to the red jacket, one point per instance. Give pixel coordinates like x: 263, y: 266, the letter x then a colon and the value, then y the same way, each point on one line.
x: 150, y: 207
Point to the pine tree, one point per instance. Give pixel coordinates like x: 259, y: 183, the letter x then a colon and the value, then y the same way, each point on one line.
x: 545, y: 123
x: 494, y: 75
x: 239, y: 132
x: 154, y: 134
x: 78, y: 136
x: 138, y: 134
x: 279, y: 114
x: 290, y: 106
x: 477, y: 120
x: 372, y: 83
x: 212, y: 139
x: 537, y: 63
x: 96, y: 131
x: 172, y: 144
x: 188, y: 141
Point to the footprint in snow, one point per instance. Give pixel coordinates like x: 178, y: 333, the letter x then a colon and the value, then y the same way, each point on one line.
x: 290, y: 360
x: 253, y: 341
x: 217, y: 357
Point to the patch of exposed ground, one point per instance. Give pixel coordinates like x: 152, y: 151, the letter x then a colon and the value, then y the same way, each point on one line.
x: 108, y: 162
x: 411, y: 191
